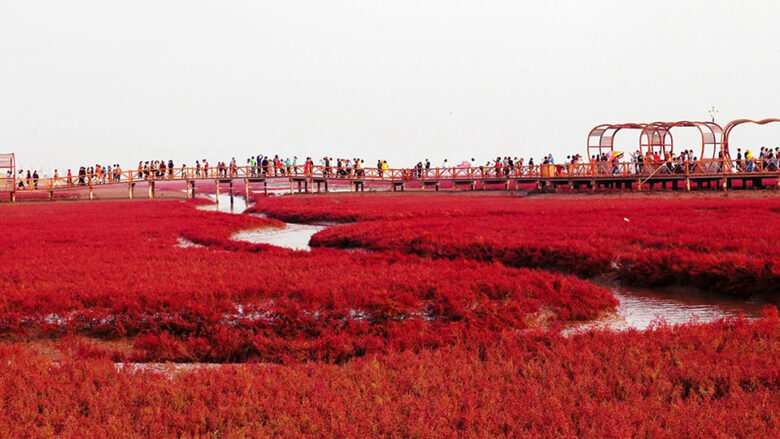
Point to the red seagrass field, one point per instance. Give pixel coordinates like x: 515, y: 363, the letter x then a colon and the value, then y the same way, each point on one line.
x: 412, y: 315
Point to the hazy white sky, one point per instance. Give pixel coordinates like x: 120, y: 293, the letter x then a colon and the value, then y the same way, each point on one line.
x: 85, y: 82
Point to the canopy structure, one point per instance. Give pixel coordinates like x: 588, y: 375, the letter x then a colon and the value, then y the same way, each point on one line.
x: 7, y: 172
x: 734, y: 123
x: 602, y: 138
x: 657, y: 137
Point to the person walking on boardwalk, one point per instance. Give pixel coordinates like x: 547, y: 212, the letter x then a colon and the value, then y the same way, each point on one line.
x: 308, y: 166
x: 326, y: 166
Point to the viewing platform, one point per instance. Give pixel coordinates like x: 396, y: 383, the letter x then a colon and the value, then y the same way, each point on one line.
x: 653, y: 166
x: 720, y: 175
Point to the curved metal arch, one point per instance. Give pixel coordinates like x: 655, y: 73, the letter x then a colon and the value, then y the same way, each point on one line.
x: 655, y: 137
x: 656, y: 134
x: 734, y: 123
x: 602, y: 137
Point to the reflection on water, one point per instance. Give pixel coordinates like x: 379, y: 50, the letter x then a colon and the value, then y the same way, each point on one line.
x: 239, y: 204
x: 639, y: 307
x: 293, y: 236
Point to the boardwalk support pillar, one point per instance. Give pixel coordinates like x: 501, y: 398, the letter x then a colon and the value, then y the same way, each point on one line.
x: 231, y: 193
x: 130, y: 188
x: 193, y: 188
x: 188, y: 190
x: 246, y: 189
x: 688, y: 184
x: 13, y: 196
x: 91, y: 194
x: 217, y: 191
x: 725, y: 184
x: 151, y: 189
x: 51, y: 195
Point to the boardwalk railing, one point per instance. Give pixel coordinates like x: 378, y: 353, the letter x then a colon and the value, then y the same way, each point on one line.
x: 544, y: 173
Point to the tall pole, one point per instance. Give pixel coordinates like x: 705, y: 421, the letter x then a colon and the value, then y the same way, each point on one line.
x: 712, y: 112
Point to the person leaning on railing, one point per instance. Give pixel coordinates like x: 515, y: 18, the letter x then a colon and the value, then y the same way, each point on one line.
x: 749, y: 160
x: 772, y: 156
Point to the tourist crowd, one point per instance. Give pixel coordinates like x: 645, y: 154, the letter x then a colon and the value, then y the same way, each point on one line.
x: 261, y: 166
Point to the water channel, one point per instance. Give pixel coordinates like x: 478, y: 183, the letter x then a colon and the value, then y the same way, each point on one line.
x: 638, y: 309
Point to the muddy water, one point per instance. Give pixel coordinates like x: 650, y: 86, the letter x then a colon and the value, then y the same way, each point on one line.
x: 222, y: 203
x: 293, y: 236
x: 640, y: 307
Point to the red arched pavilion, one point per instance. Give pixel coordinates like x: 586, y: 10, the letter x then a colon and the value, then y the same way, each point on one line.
x: 602, y: 137
x: 657, y: 137
x: 734, y: 123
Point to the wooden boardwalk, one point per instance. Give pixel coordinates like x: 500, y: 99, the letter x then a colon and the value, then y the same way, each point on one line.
x: 712, y: 174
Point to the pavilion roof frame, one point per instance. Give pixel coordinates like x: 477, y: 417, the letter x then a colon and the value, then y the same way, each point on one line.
x: 657, y: 137
x: 711, y: 136
x: 602, y: 136
x: 734, y: 123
